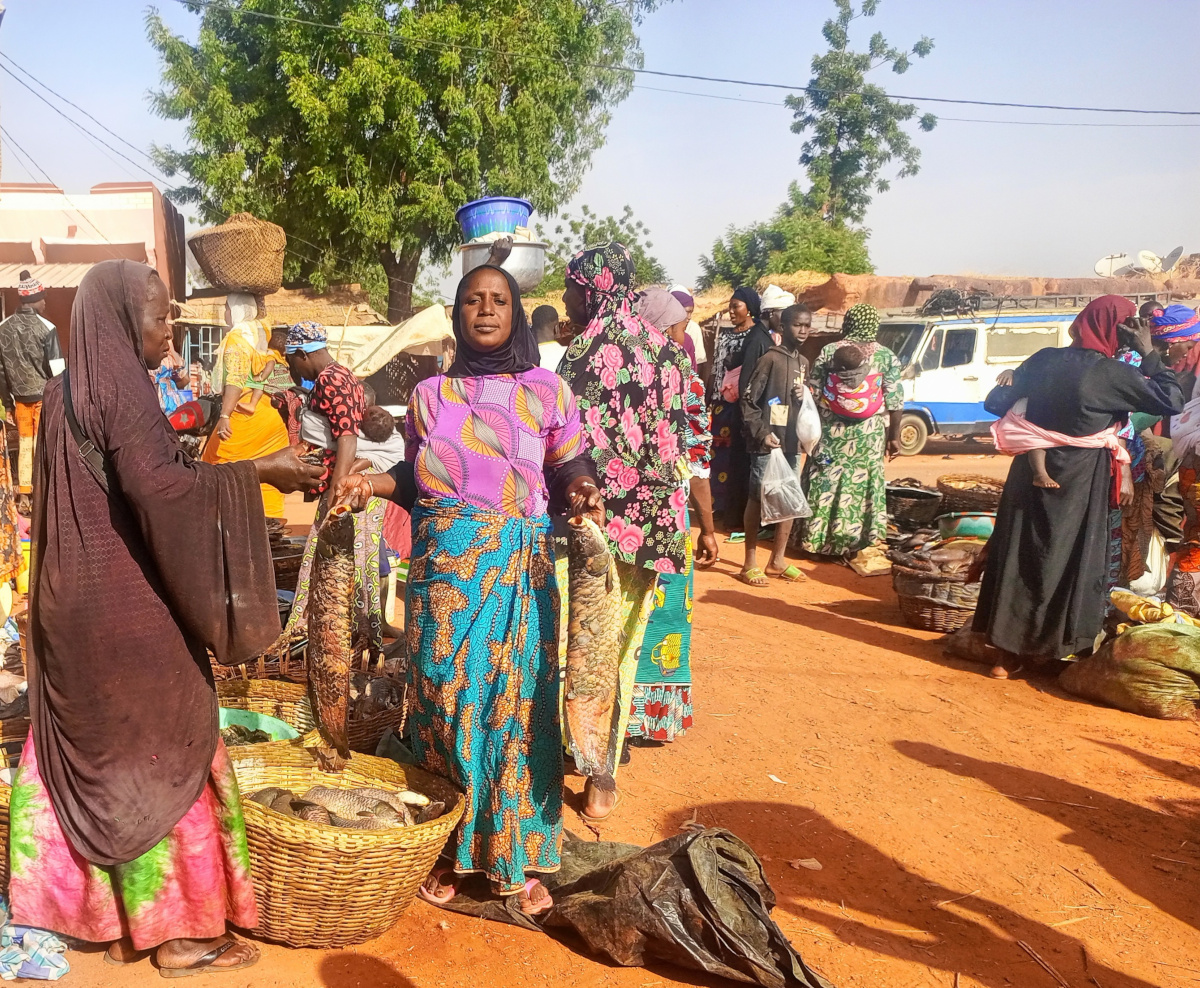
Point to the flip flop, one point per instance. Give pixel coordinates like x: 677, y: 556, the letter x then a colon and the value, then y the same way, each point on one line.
x: 438, y: 898
x: 793, y: 574
x: 736, y: 537
x: 539, y: 908
x: 205, y: 964
x: 601, y: 819
x: 754, y: 578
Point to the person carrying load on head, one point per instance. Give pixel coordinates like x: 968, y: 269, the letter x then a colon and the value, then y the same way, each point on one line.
x: 29, y: 357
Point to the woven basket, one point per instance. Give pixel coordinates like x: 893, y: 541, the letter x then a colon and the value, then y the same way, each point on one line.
x: 267, y: 666
x: 243, y: 254
x: 287, y: 702
x: 913, y: 507
x: 932, y: 602
x: 964, y: 492
x: 328, y: 887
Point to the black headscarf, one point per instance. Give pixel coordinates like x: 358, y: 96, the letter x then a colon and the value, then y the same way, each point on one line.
x: 750, y: 297
x: 518, y: 353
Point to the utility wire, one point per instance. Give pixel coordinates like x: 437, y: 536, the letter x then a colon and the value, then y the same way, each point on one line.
x: 1029, y: 123
x: 811, y: 90
x: 25, y: 157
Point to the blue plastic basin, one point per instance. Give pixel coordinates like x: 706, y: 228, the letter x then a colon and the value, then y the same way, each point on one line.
x: 496, y: 214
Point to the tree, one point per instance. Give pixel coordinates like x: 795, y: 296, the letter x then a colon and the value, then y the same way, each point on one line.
x: 362, y: 139
x: 854, y: 128
x: 795, y: 239
x: 572, y: 234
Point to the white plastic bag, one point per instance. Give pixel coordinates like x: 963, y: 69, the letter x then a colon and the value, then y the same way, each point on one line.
x: 808, y: 424
x: 782, y: 497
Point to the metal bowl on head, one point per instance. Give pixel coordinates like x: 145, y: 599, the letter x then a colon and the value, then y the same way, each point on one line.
x: 526, y: 262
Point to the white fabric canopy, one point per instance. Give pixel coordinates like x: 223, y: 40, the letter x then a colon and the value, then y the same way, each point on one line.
x: 366, y: 349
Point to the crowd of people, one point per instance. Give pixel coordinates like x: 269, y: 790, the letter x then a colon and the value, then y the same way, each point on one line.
x: 126, y: 819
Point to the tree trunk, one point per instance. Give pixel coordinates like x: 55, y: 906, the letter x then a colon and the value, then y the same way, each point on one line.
x: 401, y: 270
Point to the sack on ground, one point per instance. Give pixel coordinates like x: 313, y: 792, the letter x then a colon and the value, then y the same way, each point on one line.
x: 782, y: 496
x: 808, y: 424
x: 1150, y: 670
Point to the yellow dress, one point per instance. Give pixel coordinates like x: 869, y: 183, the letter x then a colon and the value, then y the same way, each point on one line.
x: 257, y: 430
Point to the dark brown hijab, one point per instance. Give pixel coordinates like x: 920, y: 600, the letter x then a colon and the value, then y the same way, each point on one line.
x: 131, y: 588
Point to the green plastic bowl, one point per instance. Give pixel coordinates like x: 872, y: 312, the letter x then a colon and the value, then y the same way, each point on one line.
x: 967, y: 524
x: 278, y: 730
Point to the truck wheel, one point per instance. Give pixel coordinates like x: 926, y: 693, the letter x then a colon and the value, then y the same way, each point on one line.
x: 914, y: 433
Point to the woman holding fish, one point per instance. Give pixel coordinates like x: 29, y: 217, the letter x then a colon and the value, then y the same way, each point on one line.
x: 490, y: 446
x: 126, y: 822
x: 631, y: 384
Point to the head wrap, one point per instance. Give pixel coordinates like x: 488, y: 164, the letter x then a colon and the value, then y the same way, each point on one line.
x: 684, y: 295
x: 29, y: 289
x: 861, y: 323
x: 242, y: 308
x: 305, y: 337
x: 750, y: 297
x: 1095, y: 328
x: 1176, y: 324
x: 775, y: 299
x: 516, y: 354
x: 661, y: 309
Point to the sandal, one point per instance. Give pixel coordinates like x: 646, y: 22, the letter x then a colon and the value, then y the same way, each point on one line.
x: 438, y: 896
x: 607, y: 813
x: 793, y: 574
x: 530, y: 908
x: 754, y: 577
x: 205, y: 964
x: 735, y: 537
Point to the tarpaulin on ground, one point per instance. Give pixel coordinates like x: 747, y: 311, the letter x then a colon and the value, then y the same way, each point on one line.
x: 366, y: 349
x: 700, y: 900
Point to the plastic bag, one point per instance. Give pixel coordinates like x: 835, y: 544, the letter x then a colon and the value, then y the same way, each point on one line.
x: 808, y: 424
x: 782, y: 497
x: 699, y: 900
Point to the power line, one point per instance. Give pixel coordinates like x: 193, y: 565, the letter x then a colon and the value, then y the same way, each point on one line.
x: 1029, y: 123
x: 76, y: 106
x: 21, y: 161
x: 811, y: 90
x: 24, y: 157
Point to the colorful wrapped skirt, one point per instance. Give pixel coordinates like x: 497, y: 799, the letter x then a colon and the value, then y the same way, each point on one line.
x: 190, y: 885
x: 662, y: 689
x: 482, y: 635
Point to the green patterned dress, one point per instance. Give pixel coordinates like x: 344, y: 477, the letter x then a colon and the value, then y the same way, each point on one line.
x: 846, y: 485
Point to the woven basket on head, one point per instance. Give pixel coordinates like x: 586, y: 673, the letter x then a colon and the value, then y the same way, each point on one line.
x: 969, y: 492
x: 243, y: 254
x: 324, y: 886
x: 933, y: 602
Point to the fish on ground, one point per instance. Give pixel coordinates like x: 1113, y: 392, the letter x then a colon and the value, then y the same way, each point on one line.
x: 593, y: 652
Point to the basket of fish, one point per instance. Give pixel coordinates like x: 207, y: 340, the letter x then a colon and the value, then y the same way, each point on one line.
x: 287, y: 702
x: 932, y: 583
x: 337, y: 856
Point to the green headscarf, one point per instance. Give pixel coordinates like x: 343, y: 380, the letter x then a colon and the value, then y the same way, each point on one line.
x: 861, y: 324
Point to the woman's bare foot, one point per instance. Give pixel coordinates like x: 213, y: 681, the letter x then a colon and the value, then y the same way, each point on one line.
x: 598, y: 803
x: 534, y: 899
x: 998, y: 672
x: 222, y: 954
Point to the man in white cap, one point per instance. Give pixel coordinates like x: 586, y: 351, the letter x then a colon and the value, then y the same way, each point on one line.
x: 29, y: 357
x: 774, y: 301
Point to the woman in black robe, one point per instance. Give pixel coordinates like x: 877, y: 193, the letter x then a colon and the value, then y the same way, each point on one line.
x: 1043, y: 595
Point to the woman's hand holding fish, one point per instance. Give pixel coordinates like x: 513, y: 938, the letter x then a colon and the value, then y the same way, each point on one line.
x: 286, y: 472
x: 355, y: 490
x: 584, y: 498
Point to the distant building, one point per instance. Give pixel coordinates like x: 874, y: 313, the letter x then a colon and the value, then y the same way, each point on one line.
x: 58, y: 236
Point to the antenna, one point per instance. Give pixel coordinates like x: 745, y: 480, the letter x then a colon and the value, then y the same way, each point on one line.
x: 1149, y: 262
x: 1112, y: 265
x: 1169, y: 262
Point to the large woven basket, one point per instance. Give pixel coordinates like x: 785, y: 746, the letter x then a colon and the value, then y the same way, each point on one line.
x: 287, y: 702
x: 323, y: 886
x: 243, y: 254
x: 969, y: 492
x: 913, y: 507
x: 933, y: 602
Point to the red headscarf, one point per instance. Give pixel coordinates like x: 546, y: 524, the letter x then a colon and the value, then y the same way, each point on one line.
x: 1095, y: 328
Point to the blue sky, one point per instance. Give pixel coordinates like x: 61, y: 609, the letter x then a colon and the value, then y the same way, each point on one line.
x: 990, y: 198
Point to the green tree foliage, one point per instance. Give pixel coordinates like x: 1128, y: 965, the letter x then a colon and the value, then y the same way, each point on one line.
x: 572, y: 233
x: 795, y: 239
x: 363, y: 141
x: 854, y: 130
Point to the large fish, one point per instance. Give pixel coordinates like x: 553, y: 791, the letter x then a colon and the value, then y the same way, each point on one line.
x: 593, y: 652
x: 330, y: 613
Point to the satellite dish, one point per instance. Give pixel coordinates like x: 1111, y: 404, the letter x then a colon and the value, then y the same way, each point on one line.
x: 1150, y: 261
x: 1169, y: 262
x: 1107, y: 267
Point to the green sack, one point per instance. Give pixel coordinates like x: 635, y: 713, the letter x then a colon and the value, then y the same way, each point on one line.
x: 1152, y: 670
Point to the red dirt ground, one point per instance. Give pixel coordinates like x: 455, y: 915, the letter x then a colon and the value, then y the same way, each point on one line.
x: 954, y: 816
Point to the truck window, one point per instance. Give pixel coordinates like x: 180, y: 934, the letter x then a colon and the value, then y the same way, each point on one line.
x: 960, y: 347
x: 933, y: 352
x: 902, y: 339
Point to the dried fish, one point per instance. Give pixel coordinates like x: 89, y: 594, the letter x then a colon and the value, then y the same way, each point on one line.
x: 330, y: 610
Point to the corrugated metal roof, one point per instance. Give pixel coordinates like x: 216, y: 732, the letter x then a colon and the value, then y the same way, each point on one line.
x: 50, y: 275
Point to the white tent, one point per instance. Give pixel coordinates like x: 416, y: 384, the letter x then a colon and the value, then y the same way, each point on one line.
x: 366, y: 349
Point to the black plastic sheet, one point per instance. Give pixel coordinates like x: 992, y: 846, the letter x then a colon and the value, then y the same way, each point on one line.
x: 700, y: 900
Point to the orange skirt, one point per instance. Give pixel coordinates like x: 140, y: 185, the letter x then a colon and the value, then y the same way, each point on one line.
x: 255, y: 434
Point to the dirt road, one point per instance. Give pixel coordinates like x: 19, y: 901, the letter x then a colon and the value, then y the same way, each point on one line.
x: 955, y: 817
